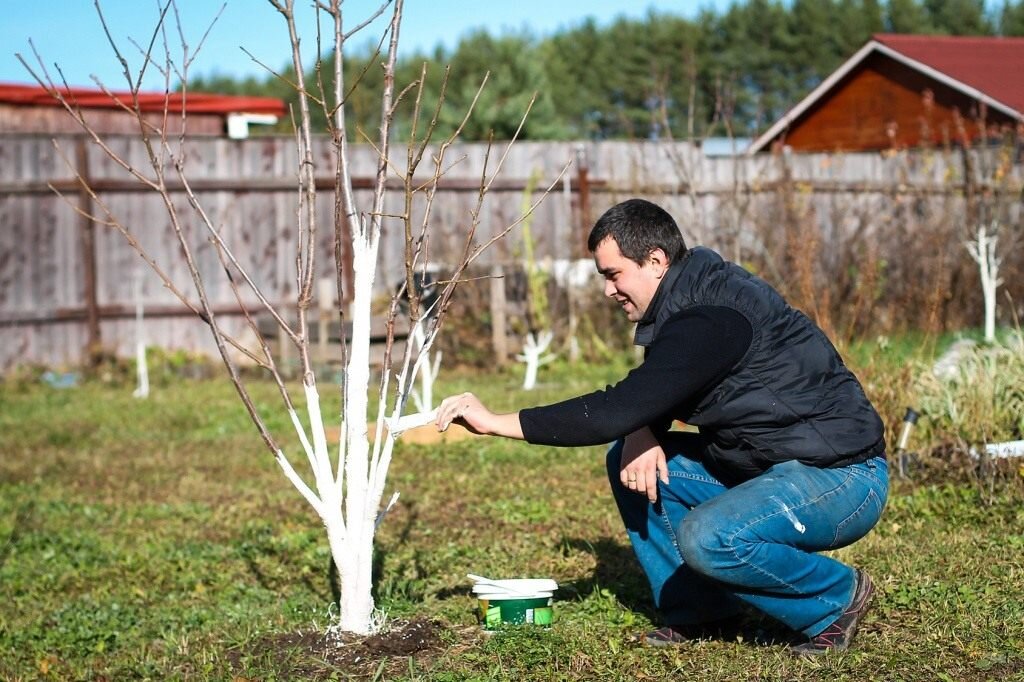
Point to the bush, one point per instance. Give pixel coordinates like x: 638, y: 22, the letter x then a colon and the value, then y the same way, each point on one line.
x: 981, y: 400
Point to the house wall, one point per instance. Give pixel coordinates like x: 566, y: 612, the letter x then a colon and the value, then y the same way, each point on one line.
x: 884, y: 104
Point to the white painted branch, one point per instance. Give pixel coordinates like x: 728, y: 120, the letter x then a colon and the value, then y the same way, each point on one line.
x: 340, y: 475
x: 300, y: 485
x: 307, y: 447
x: 385, y: 510
x: 411, y: 421
x: 321, y: 453
x: 379, y: 476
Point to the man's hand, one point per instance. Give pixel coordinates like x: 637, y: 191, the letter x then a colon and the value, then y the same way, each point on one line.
x: 467, y: 410
x: 642, y: 463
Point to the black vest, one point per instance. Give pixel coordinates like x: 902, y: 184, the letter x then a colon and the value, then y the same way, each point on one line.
x: 790, y: 397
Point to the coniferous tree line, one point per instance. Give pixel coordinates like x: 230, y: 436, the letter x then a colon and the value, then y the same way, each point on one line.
x: 662, y: 76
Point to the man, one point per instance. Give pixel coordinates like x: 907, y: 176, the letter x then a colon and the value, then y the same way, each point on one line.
x: 789, y: 459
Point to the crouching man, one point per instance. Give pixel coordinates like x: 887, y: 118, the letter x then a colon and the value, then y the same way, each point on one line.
x: 789, y: 459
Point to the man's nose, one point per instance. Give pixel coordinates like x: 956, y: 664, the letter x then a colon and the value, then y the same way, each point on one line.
x: 609, y: 288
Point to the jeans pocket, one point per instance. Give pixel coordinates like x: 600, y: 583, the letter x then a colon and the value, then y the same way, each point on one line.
x: 860, y: 521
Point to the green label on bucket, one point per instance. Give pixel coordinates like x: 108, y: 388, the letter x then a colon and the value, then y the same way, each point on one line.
x: 542, y: 616
x: 493, y: 617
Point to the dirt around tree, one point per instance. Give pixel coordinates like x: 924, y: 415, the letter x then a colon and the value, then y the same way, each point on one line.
x: 317, y: 655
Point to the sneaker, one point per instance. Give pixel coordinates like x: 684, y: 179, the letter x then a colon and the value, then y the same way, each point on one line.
x: 674, y: 635
x: 838, y: 635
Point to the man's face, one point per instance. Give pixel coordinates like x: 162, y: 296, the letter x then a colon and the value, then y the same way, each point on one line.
x: 632, y: 286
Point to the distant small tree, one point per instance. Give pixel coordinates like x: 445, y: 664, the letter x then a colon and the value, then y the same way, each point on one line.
x: 984, y: 250
x: 993, y: 216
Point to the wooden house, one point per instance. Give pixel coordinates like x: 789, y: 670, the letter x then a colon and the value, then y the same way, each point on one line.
x: 34, y: 109
x: 909, y: 91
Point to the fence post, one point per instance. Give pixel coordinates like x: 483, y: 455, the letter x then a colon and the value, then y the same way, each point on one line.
x: 583, y: 184
x: 499, y: 326
x: 94, y: 344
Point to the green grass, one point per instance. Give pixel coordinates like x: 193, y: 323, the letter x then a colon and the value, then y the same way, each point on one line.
x: 158, y: 539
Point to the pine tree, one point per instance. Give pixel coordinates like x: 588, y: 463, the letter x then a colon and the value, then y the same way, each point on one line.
x: 907, y: 16
x: 959, y: 17
x: 1011, y: 19
x: 516, y: 76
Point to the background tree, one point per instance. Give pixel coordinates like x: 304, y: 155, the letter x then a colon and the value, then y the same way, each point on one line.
x: 754, y: 42
x: 579, y: 66
x: 1011, y: 18
x: 907, y: 16
x: 818, y: 47
x: 959, y: 17
x: 516, y: 77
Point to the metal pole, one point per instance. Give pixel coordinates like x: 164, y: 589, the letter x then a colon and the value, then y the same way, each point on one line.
x: 909, y: 419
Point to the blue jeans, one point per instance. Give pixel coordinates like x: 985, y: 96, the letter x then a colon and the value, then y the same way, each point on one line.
x: 707, y: 548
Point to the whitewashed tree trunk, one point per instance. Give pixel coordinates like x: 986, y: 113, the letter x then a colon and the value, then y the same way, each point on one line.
x: 533, y: 356
x: 984, y: 251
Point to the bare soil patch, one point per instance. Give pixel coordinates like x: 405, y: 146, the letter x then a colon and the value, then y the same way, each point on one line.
x: 317, y: 655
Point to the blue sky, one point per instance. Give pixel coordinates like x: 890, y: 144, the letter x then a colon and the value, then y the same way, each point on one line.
x: 69, y: 32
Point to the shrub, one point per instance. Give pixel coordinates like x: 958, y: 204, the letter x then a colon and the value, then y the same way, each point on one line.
x: 982, y: 400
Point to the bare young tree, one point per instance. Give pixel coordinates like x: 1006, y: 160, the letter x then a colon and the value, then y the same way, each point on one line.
x: 984, y: 251
x: 347, y: 485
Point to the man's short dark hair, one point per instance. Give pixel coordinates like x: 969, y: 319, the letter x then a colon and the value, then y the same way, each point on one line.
x: 638, y: 227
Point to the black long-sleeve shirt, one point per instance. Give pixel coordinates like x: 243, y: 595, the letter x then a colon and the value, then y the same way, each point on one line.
x: 694, y: 350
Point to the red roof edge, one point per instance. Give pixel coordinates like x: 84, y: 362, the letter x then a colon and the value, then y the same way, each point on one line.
x: 94, y: 98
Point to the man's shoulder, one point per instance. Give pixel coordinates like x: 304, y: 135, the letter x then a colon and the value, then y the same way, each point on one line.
x: 705, y: 318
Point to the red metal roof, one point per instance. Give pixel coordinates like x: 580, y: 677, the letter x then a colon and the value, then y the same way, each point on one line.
x: 194, y: 102
x: 991, y: 65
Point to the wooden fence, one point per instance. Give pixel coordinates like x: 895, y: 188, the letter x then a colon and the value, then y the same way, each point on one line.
x: 66, y: 284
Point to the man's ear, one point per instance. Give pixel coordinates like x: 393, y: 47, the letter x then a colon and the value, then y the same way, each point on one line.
x: 659, y: 260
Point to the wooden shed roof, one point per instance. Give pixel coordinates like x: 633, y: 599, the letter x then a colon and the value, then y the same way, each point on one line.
x: 983, y: 68
x: 93, y: 98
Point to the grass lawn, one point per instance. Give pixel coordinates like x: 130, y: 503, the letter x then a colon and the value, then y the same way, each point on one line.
x: 158, y: 539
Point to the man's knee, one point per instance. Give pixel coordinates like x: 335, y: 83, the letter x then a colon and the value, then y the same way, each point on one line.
x: 705, y: 544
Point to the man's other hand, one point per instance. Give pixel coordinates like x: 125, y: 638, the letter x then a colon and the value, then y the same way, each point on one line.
x: 642, y: 464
